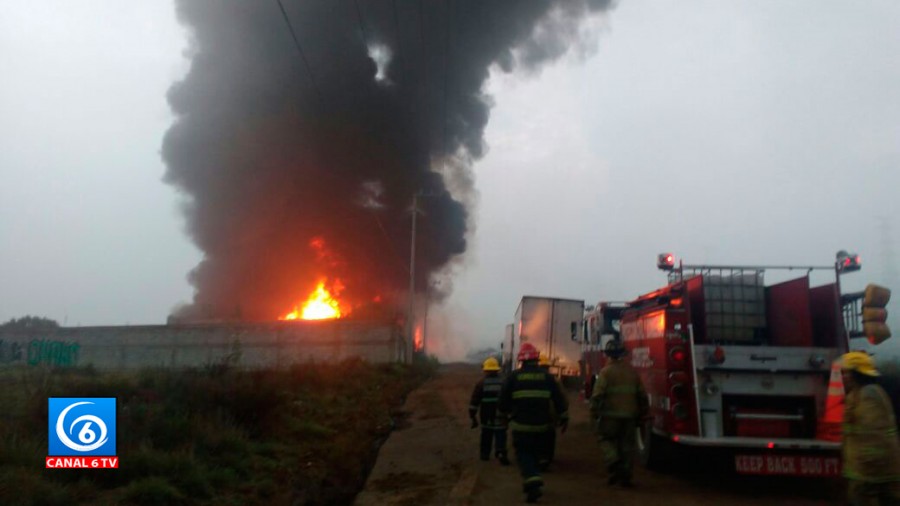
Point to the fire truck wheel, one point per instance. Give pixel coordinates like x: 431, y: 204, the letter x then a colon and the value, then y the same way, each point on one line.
x: 655, y: 451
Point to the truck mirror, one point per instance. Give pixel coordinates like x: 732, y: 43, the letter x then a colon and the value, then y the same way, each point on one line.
x: 574, y: 329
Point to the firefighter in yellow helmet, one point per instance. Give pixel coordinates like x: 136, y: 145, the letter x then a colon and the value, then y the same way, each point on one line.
x: 870, y: 446
x: 619, y: 403
x: 484, y: 399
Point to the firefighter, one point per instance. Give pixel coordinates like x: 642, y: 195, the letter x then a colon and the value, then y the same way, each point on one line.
x: 870, y: 447
x: 549, y: 437
x: 484, y: 399
x: 527, y: 401
x: 619, y: 403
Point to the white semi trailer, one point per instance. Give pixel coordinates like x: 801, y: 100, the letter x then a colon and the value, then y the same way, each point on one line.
x: 552, y: 326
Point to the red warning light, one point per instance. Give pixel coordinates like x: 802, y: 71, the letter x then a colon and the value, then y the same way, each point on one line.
x: 665, y: 261
x: 848, y: 262
x: 678, y: 355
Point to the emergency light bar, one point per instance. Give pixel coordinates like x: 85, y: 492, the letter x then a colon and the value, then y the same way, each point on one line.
x: 665, y: 261
x: 848, y: 262
x: 845, y: 263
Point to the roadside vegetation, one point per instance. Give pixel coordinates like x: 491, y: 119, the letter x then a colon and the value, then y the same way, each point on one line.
x: 218, y: 435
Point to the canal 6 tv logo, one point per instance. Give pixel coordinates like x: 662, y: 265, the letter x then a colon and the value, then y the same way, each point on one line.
x: 82, y: 433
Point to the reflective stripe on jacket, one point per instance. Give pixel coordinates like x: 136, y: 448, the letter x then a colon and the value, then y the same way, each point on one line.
x: 529, y: 399
x: 484, y: 398
x: 870, y: 446
x: 619, y: 393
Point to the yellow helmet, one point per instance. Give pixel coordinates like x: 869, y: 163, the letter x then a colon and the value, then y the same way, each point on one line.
x: 490, y: 364
x: 860, y: 362
x: 544, y: 360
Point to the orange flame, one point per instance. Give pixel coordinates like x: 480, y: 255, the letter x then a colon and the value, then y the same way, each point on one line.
x: 320, y: 305
x: 417, y: 339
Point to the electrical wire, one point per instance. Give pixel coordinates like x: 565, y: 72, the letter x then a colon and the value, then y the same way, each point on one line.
x: 401, y: 263
x: 401, y: 61
x: 287, y: 20
x: 362, y: 25
x: 449, y: 20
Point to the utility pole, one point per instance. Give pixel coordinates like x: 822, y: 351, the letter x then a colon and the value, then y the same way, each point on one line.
x: 410, y: 323
x: 410, y: 320
x: 431, y: 286
x: 425, y: 326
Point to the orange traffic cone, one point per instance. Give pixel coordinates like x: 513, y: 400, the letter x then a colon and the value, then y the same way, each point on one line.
x: 829, y: 426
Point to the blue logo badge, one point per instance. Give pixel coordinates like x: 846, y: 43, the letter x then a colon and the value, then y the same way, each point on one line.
x: 82, y: 426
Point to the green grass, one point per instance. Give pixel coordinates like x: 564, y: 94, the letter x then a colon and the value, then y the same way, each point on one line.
x: 306, y: 435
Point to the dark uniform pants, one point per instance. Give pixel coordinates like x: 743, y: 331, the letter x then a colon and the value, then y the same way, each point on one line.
x: 617, y: 444
x: 528, y: 446
x: 548, y: 447
x: 495, y: 435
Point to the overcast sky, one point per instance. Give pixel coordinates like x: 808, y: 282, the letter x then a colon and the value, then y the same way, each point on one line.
x: 754, y: 132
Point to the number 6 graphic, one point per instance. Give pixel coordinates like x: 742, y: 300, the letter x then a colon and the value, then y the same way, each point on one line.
x: 86, y: 435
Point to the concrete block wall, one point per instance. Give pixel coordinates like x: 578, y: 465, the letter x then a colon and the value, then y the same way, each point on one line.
x: 249, y: 345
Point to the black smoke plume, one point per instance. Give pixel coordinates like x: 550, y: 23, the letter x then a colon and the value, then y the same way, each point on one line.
x: 275, y: 145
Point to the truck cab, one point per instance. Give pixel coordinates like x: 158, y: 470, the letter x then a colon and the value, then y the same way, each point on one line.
x: 601, y: 323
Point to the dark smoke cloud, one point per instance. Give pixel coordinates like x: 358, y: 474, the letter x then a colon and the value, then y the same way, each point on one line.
x: 271, y: 155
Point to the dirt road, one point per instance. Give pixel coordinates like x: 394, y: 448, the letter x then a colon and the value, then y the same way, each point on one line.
x: 432, y: 459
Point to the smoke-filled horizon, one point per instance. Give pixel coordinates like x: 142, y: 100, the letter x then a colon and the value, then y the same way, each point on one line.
x: 286, y: 152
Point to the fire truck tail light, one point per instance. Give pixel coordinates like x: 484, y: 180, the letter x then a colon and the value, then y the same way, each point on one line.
x: 678, y: 391
x: 770, y: 445
x: 678, y: 355
x: 680, y: 411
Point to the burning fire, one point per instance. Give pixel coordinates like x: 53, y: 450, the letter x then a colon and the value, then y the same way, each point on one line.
x: 320, y: 305
x: 417, y: 339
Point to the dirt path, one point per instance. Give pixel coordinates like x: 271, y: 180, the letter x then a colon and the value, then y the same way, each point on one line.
x: 433, y: 460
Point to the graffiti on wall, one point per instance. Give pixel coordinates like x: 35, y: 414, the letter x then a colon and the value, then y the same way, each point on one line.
x: 10, y: 352
x: 40, y: 352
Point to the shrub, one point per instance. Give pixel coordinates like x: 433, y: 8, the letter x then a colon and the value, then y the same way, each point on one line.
x: 216, y: 435
x: 152, y: 491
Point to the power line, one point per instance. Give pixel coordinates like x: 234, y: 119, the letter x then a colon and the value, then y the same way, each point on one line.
x: 362, y: 25
x: 401, y: 61
x: 423, y: 51
x: 287, y: 20
x: 401, y: 263
x: 449, y: 19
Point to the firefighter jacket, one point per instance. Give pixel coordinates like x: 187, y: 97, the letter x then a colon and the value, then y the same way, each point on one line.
x: 484, y: 399
x: 529, y: 399
x: 870, y: 447
x: 619, y: 393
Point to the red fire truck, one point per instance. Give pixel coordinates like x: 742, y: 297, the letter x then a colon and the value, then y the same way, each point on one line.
x: 731, y: 363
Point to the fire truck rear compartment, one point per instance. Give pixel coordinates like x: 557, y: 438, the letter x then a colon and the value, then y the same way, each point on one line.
x: 767, y: 416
